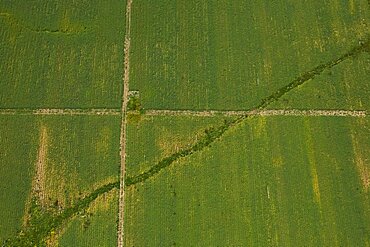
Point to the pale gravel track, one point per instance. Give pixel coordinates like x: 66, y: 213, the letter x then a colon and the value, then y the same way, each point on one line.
x: 278, y: 112
x: 200, y: 113
x: 125, y: 97
x: 56, y: 111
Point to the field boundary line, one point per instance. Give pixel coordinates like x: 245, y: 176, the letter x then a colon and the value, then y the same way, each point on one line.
x: 125, y: 98
x: 195, y: 113
x: 272, y: 112
x: 59, y: 111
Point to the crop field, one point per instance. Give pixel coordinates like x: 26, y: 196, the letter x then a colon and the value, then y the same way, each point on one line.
x: 229, y: 55
x: 154, y: 138
x: 281, y: 183
x: 61, y: 53
x: 343, y: 87
x: 49, y: 164
x: 184, y: 123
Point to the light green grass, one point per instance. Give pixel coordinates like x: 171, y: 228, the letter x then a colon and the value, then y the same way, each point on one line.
x: 57, y: 54
x: 229, y: 55
x: 275, y: 181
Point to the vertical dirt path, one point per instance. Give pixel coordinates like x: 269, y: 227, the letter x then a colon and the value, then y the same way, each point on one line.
x: 39, y: 179
x: 126, y: 79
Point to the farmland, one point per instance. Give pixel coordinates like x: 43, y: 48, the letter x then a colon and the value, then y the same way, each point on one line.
x: 60, y: 160
x: 281, y: 183
x: 184, y: 123
x: 61, y: 54
x: 229, y: 55
x: 154, y: 138
x: 18, y: 152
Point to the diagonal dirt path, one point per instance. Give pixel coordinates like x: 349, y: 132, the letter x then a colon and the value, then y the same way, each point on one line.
x: 125, y: 96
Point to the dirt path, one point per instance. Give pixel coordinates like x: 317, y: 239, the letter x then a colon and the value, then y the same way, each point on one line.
x: 200, y: 113
x: 38, y: 186
x: 126, y: 79
x: 56, y: 111
x: 336, y: 113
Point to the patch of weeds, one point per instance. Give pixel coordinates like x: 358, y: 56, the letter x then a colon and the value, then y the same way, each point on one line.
x: 134, y: 108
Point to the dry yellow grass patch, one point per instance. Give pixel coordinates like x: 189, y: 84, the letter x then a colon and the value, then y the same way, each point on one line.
x: 259, y: 127
x: 61, y: 185
x: 312, y: 163
x: 38, y: 183
x: 170, y: 142
x: 362, y: 163
x: 277, y: 162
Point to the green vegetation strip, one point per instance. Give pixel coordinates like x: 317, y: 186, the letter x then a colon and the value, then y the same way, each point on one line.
x: 43, y: 222
x: 12, y: 21
x: 212, y: 134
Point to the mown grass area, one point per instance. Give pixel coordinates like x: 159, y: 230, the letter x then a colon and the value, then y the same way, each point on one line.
x: 18, y: 150
x: 155, y: 137
x: 342, y: 87
x: 57, y: 54
x: 229, y: 55
x: 71, y: 161
x: 276, y: 181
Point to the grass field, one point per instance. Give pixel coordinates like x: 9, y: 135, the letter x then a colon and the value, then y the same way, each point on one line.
x: 86, y: 160
x: 274, y: 181
x: 229, y: 55
x: 57, y: 54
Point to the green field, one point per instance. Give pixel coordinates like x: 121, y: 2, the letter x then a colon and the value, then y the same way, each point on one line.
x: 18, y: 153
x: 80, y: 155
x: 229, y: 55
x: 96, y: 228
x: 343, y: 87
x: 61, y: 53
x: 154, y: 138
x: 205, y: 176
x: 275, y: 181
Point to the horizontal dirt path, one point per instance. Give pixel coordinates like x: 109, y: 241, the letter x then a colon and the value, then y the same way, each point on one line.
x: 56, y: 111
x: 200, y: 113
x: 278, y: 112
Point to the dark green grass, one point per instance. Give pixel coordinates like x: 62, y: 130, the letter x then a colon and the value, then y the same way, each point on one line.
x: 61, y: 54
